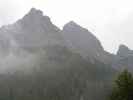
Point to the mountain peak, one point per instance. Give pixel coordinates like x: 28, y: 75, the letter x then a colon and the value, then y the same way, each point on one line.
x: 122, y: 46
x: 36, y: 30
x: 81, y: 40
x: 35, y: 15
x: 123, y: 51
x: 35, y: 12
x: 71, y: 25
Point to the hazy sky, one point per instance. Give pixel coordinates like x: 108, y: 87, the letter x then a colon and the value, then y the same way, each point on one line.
x: 110, y: 20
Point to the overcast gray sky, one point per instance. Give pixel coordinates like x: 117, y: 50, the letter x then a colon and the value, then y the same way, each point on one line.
x: 110, y: 20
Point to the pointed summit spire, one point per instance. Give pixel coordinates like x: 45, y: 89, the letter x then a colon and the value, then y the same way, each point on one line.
x: 35, y: 17
x: 36, y: 12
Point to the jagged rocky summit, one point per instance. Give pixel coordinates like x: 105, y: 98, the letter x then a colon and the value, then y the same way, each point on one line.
x: 35, y: 31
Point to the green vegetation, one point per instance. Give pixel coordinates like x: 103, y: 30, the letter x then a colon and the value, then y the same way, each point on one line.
x: 123, y: 89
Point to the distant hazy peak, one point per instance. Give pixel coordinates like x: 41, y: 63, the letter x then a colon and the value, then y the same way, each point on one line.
x: 122, y: 46
x: 124, y: 51
x: 73, y: 25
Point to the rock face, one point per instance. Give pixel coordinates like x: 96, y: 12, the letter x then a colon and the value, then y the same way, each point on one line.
x: 125, y: 60
x: 81, y: 40
x: 37, y: 30
x: 34, y: 30
x: 124, y: 51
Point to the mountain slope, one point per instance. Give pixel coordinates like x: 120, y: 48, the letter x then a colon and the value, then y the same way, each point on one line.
x: 58, y: 75
x: 57, y: 70
x: 33, y: 31
x: 82, y: 41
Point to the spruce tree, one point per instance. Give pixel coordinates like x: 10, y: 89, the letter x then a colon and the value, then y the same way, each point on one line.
x: 123, y: 89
